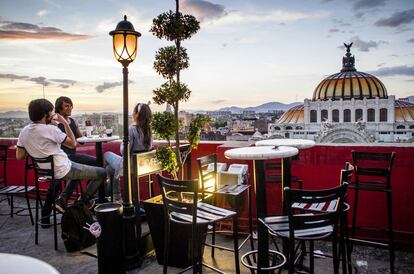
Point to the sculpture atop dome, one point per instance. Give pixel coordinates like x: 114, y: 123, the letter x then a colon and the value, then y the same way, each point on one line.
x: 348, y: 61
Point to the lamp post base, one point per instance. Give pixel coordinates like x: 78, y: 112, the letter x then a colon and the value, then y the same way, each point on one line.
x: 132, y: 259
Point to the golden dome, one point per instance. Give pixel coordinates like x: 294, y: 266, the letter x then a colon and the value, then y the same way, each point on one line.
x: 404, y: 111
x: 293, y: 116
x: 349, y: 83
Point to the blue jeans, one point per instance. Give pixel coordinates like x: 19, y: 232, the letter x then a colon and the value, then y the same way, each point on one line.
x: 78, y: 172
x: 113, y: 163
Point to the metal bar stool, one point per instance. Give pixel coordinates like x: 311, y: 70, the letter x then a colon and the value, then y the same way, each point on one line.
x: 210, y: 188
x: 11, y: 190
x: 373, y: 173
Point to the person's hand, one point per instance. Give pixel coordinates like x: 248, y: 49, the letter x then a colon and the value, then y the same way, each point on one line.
x: 59, y: 118
x: 54, y: 121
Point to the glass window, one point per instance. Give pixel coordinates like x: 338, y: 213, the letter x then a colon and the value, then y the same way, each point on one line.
x: 324, y: 115
x: 288, y: 128
x: 313, y: 118
x: 371, y: 115
x: 347, y: 115
x: 358, y: 115
x: 383, y: 115
x: 335, y: 115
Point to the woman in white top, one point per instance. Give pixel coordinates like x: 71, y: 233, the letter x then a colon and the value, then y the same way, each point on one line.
x: 140, y: 137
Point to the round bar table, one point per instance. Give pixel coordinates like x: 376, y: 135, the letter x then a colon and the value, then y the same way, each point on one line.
x: 258, y: 154
x: 16, y: 264
x: 298, y: 143
x: 99, y: 155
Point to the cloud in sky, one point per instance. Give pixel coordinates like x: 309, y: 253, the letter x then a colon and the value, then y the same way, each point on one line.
x: 269, y: 16
x: 203, y: 10
x: 394, y: 71
x: 364, y: 45
x: 65, y: 83
x: 218, y: 101
x: 107, y: 85
x: 42, y: 13
x: 367, y: 4
x: 396, y: 19
x: 410, y: 40
x: 40, y: 80
x: 18, y: 31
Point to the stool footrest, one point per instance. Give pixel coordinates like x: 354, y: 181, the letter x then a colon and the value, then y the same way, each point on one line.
x: 368, y: 242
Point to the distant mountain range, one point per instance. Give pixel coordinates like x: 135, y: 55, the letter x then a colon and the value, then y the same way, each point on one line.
x: 266, y: 107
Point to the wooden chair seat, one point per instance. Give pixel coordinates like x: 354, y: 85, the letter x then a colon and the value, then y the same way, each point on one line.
x: 206, y: 214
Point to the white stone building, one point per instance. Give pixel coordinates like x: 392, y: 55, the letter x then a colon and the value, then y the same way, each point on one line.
x: 348, y: 107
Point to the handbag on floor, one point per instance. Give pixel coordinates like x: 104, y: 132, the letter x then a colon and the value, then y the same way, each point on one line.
x: 75, y: 221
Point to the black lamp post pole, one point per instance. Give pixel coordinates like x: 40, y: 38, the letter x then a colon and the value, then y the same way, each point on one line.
x: 131, y: 255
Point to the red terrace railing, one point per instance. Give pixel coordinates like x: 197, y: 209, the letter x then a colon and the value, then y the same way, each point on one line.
x: 319, y: 168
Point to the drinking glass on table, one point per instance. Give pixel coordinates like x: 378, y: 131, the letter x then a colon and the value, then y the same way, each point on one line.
x: 108, y: 132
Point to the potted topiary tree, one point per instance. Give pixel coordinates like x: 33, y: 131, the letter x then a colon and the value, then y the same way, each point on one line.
x: 169, y: 61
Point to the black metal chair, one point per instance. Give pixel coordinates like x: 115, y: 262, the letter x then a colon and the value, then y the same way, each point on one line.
x: 182, y: 206
x: 309, y: 226
x: 273, y: 174
x: 236, y: 192
x: 345, y: 248
x: 11, y: 190
x: 373, y: 173
x: 44, y: 173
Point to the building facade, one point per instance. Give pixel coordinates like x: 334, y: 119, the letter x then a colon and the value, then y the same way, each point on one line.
x: 348, y: 107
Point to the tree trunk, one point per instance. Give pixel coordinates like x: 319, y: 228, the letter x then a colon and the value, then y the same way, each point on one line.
x: 177, y: 63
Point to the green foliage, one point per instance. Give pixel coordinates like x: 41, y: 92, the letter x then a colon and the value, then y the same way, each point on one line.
x: 167, y: 158
x: 171, y: 93
x: 163, y: 124
x: 166, y: 61
x: 220, y: 123
x: 171, y: 27
x: 196, y: 125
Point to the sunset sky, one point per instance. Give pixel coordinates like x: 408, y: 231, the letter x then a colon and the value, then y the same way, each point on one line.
x: 246, y: 52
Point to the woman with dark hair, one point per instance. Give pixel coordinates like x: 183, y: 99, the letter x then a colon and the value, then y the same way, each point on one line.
x: 140, y: 138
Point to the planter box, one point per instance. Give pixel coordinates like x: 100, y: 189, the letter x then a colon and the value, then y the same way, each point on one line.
x: 180, y: 235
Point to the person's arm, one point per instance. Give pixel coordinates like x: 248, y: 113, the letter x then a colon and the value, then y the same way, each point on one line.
x: 78, y: 132
x: 70, y: 141
x: 21, y: 153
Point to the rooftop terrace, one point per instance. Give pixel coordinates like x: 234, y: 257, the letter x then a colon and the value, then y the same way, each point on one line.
x: 318, y: 167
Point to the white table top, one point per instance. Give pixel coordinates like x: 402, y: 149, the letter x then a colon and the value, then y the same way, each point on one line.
x: 298, y: 143
x: 97, y: 139
x: 16, y: 264
x: 260, y: 153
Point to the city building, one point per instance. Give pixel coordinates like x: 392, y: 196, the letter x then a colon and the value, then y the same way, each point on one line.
x: 348, y: 107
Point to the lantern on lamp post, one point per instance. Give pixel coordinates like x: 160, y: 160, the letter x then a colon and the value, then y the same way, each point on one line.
x: 125, y: 46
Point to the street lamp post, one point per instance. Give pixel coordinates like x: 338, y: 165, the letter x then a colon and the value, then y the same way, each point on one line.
x: 125, y: 46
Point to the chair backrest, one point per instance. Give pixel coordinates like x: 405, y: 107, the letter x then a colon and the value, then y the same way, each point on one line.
x: 179, y: 197
x: 44, y: 167
x: 206, y: 175
x: 3, y: 159
x: 373, y: 164
x: 300, y: 221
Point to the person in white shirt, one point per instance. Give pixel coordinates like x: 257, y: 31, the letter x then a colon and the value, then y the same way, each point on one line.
x: 42, y: 138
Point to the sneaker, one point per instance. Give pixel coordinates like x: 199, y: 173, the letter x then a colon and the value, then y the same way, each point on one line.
x: 60, y: 205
